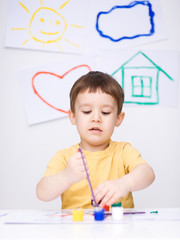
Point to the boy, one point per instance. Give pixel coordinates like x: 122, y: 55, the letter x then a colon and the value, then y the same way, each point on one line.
x: 116, y: 169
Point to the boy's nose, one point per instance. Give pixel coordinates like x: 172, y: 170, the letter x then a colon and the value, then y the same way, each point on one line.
x: 96, y: 117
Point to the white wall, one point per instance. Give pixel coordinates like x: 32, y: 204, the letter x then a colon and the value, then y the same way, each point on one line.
x: 25, y: 151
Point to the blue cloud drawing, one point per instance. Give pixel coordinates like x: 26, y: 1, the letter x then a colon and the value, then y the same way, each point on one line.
x: 131, y: 5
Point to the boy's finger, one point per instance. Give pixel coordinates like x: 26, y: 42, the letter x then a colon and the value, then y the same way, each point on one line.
x: 112, y: 200
x: 107, y: 198
x: 101, y: 195
x: 98, y: 189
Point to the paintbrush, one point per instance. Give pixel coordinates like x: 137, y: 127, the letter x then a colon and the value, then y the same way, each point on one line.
x: 87, y: 174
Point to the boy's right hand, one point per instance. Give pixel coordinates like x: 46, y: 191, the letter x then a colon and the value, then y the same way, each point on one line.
x: 75, y: 168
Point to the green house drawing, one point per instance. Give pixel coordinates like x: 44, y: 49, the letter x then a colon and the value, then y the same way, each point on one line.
x: 140, y: 79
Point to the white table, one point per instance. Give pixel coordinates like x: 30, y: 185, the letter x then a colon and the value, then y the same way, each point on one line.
x: 164, y: 225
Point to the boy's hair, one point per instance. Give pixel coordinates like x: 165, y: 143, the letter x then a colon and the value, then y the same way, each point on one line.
x: 94, y: 81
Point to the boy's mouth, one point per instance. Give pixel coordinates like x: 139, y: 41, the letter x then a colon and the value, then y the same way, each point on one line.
x: 95, y: 130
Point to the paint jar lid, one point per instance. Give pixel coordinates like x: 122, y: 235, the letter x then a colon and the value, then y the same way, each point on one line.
x: 116, y: 204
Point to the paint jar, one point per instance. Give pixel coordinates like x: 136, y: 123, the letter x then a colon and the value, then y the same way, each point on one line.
x: 99, y: 214
x: 106, y: 208
x: 117, y: 211
x: 78, y: 215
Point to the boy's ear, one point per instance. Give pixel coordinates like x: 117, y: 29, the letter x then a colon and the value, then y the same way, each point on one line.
x: 120, y: 118
x: 72, y: 117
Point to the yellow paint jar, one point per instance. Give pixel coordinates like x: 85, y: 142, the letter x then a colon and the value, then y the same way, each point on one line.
x: 78, y: 215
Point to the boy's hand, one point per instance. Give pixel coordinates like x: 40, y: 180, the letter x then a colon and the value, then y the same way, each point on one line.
x: 75, y: 168
x: 110, y: 191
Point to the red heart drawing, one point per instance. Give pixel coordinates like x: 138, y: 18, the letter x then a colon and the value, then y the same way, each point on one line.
x: 62, y: 76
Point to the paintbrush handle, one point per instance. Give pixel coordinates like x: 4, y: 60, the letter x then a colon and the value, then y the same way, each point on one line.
x: 89, y: 182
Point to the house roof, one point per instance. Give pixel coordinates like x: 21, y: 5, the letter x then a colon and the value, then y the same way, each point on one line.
x: 141, y: 61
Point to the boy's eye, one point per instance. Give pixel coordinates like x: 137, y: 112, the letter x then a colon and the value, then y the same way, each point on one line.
x: 105, y: 113
x: 86, y: 112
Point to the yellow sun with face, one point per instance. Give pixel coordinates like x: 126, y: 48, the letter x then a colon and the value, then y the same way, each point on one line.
x: 47, y: 25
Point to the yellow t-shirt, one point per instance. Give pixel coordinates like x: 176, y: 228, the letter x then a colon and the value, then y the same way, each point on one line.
x: 118, y: 159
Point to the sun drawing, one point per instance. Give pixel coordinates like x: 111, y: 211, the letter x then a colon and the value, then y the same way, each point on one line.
x: 47, y: 25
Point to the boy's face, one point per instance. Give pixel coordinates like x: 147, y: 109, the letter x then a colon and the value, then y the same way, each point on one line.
x: 95, y: 117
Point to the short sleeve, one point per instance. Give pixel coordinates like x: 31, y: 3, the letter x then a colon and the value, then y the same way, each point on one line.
x: 56, y: 164
x: 131, y: 158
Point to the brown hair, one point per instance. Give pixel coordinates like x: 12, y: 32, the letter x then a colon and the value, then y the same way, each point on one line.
x: 94, y: 81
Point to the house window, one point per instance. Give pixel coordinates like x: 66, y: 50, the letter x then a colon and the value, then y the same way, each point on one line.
x: 141, y: 86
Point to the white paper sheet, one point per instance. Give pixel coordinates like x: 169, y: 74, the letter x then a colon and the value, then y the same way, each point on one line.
x: 147, y: 77
x: 125, y: 23
x: 45, y: 89
x: 65, y: 216
x: 46, y: 25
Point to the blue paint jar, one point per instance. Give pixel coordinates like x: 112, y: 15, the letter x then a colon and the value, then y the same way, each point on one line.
x: 99, y: 214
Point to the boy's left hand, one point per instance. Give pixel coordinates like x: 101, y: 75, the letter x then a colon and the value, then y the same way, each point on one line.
x: 110, y: 191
